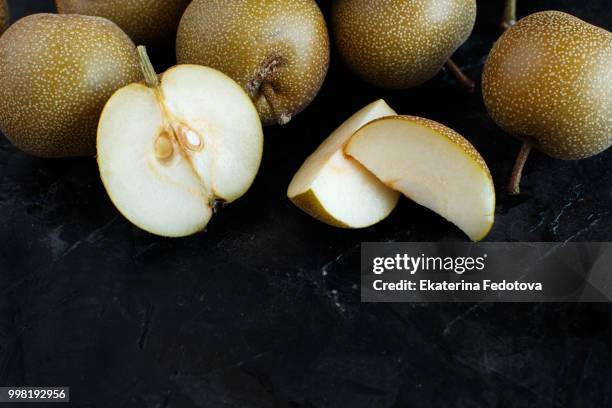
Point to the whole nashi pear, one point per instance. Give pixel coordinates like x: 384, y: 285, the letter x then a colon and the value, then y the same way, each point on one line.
x: 56, y: 74
x: 548, y: 81
x: 399, y: 44
x: 278, y: 50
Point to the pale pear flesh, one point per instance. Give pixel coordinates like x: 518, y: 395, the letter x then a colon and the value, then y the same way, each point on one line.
x: 166, y: 155
x: 338, y: 190
x: 433, y: 166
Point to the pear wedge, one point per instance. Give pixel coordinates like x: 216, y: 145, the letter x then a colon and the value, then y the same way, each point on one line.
x: 336, y: 189
x: 432, y: 165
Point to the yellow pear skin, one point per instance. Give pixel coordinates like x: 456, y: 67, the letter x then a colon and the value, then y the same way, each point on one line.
x: 548, y: 81
x: 399, y: 44
x: 145, y: 21
x: 56, y: 74
x: 278, y: 50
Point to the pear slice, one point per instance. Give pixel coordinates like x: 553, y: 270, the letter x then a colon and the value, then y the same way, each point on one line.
x: 432, y: 165
x: 170, y: 149
x: 338, y: 190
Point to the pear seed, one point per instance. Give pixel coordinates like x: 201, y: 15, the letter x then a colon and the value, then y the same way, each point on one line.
x: 163, y: 147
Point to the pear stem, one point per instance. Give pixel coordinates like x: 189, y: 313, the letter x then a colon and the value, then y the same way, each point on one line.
x: 509, y: 15
x: 148, y: 71
x: 464, y: 81
x: 514, y: 187
x: 272, y: 98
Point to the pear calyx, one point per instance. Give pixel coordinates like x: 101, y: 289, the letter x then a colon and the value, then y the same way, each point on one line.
x: 260, y: 83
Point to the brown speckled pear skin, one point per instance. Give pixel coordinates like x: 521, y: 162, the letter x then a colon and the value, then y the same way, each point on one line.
x: 145, y: 21
x: 4, y: 15
x: 244, y: 37
x: 399, y: 44
x: 548, y: 79
x: 56, y: 74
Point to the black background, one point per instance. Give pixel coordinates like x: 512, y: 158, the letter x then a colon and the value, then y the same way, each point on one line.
x: 263, y: 310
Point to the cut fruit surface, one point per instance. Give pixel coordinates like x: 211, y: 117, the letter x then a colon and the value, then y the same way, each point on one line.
x: 167, y: 153
x: 432, y: 165
x: 335, y: 188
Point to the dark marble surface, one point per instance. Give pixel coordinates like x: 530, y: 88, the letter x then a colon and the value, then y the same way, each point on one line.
x: 263, y: 310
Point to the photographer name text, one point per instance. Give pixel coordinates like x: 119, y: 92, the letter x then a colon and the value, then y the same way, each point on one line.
x: 456, y: 265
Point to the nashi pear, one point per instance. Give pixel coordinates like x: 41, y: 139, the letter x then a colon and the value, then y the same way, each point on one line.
x: 278, y: 50
x: 335, y: 188
x: 169, y: 150
x: 56, y: 74
x: 400, y: 44
x: 548, y: 81
x: 433, y: 166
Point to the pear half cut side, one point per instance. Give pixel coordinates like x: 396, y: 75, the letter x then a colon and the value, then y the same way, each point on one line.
x: 168, y: 153
x: 432, y: 165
